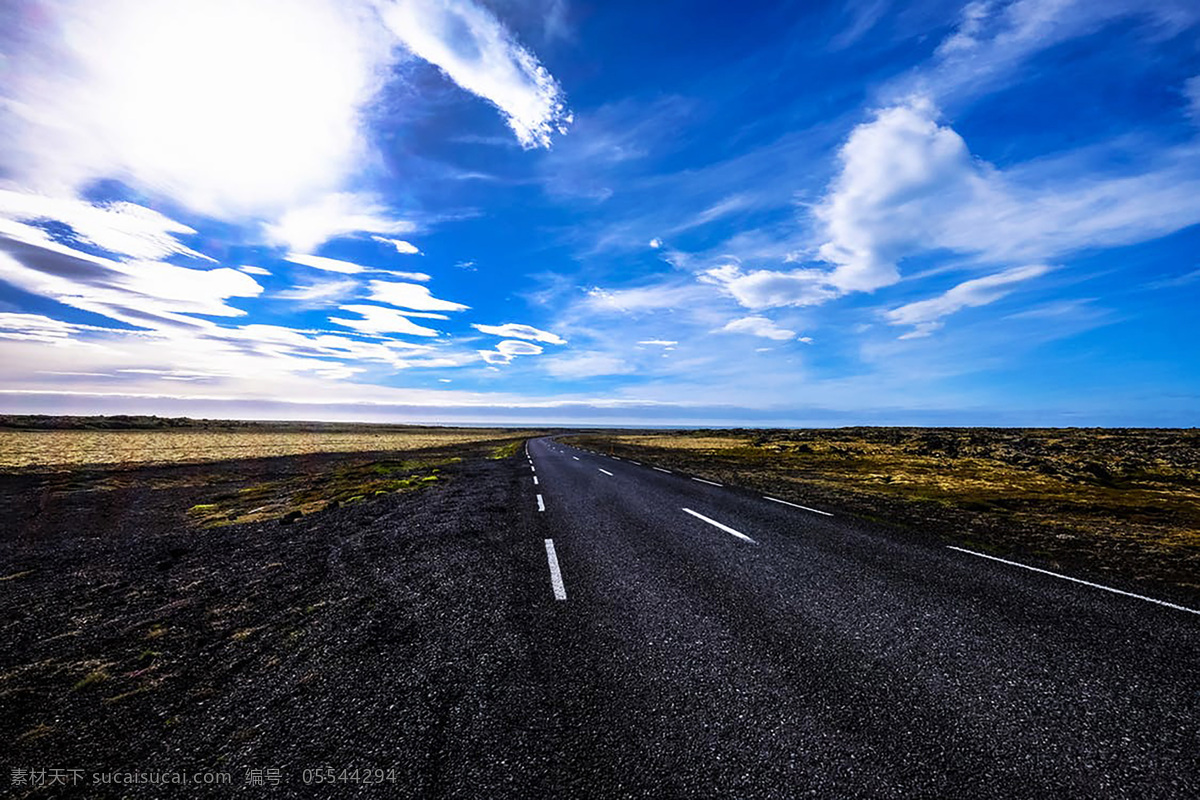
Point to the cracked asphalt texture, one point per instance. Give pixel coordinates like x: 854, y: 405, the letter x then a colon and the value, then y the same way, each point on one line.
x: 419, y: 633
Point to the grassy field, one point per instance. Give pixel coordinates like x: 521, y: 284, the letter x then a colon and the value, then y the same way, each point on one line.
x: 40, y: 449
x: 1116, y: 503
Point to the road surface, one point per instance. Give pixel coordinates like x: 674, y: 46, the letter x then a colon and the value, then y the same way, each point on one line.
x: 700, y: 640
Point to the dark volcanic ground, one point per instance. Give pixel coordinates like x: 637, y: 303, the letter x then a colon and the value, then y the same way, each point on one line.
x: 344, y: 639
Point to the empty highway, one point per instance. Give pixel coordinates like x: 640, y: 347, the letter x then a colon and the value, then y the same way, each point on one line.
x: 699, y: 640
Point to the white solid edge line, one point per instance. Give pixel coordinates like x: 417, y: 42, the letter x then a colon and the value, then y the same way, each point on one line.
x: 1074, y: 580
x: 541, y: 503
x: 795, y: 505
x: 535, y: 481
x: 710, y: 483
x: 660, y: 469
x: 606, y: 472
x: 725, y: 528
x: 556, y: 581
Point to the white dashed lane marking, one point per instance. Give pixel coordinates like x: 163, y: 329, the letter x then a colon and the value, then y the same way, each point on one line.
x: 794, y: 505
x: 1074, y: 580
x: 556, y: 581
x: 725, y: 528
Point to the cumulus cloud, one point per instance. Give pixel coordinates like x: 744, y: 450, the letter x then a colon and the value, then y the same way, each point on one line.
x: 764, y: 288
x: 759, y: 326
x: 909, y: 185
x: 517, y: 331
x: 901, y: 174
x: 306, y: 227
x: 406, y: 248
x: 477, y: 52
x: 509, y: 349
x: 411, y: 295
x: 377, y: 319
x: 925, y: 315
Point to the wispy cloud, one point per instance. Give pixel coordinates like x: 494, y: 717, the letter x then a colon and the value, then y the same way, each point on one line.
x: 306, y: 227
x: 378, y: 319
x: 517, y: 331
x: 925, y: 315
x: 759, y: 326
x: 141, y: 293
x: 477, y: 52
x: 320, y: 293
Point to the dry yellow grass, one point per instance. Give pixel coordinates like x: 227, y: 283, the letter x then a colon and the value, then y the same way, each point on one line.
x: 75, y: 448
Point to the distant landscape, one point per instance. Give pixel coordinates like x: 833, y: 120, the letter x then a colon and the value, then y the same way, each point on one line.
x: 1118, y: 504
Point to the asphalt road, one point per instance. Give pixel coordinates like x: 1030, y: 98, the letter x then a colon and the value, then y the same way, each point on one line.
x: 700, y: 640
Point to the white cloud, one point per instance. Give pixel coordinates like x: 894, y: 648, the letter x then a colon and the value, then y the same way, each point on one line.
x: 759, y: 326
x: 474, y: 50
x: 255, y: 270
x: 993, y: 40
x: 228, y: 106
x: 320, y: 293
x: 350, y: 268
x: 972, y: 18
x: 141, y: 293
x: 126, y: 229
x: 507, y: 350
x: 408, y: 276
x: 655, y: 243
x: 901, y: 174
x: 926, y: 315
x: 771, y: 288
x: 645, y: 298
x: 326, y: 264
x: 305, y: 227
x: 517, y: 331
x: 411, y: 295
x: 406, y: 248
x: 377, y: 319
x: 909, y: 185
x: 659, y: 342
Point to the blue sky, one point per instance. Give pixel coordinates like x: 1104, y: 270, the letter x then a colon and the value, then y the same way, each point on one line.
x: 605, y: 212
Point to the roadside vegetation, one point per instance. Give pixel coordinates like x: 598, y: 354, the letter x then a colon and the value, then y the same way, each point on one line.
x: 1121, y: 504
x: 40, y: 446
